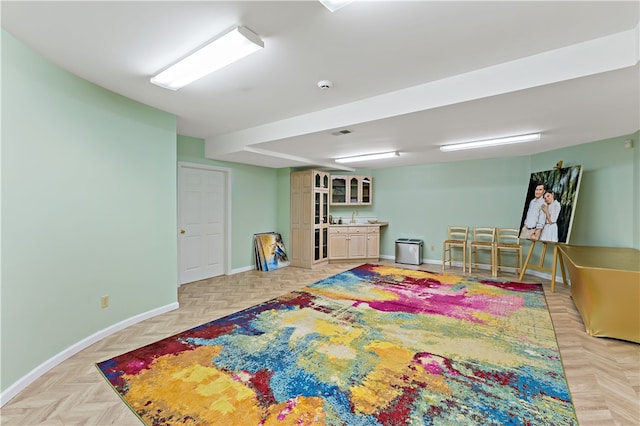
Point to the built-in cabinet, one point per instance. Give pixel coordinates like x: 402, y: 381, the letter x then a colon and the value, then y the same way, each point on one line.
x: 354, y: 242
x: 373, y: 242
x: 313, y: 241
x: 351, y: 190
x: 309, y: 245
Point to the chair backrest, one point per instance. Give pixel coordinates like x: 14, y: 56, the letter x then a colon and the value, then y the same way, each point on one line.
x: 484, y: 235
x: 460, y: 233
x: 510, y: 236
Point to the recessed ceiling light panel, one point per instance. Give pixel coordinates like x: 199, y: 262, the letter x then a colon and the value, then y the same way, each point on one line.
x: 225, y: 49
x: 334, y: 5
x: 491, y: 142
x: 368, y: 157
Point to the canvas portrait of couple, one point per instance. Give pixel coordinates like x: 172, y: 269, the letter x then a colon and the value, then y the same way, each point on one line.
x: 550, y: 204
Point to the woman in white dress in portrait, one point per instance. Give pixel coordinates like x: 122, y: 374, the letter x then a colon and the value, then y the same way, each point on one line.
x: 551, y: 210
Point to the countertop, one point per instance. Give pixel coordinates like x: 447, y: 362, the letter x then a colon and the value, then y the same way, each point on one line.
x: 379, y: 223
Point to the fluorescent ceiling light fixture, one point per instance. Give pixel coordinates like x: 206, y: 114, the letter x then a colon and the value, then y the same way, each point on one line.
x: 229, y: 47
x: 368, y: 157
x: 491, y: 142
x: 334, y: 5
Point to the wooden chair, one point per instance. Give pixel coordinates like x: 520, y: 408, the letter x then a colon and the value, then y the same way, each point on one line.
x: 456, y: 238
x: 483, y: 239
x: 508, y: 239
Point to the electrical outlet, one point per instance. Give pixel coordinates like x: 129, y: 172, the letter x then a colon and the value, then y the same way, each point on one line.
x: 104, y: 302
x: 432, y: 247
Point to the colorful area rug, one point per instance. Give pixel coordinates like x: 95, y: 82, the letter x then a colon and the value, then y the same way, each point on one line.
x: 375, y: 345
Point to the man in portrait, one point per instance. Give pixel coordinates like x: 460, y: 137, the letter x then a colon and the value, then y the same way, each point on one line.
x: 533, y: 223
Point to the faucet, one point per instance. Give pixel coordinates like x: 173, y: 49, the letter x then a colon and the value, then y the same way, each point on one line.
x: 355, y: 213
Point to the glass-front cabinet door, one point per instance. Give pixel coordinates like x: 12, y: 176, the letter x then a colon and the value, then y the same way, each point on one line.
x: 325, y: 243
x: 317, y: 208
x: 321, y: 217
x: 320, y: 243
x: 320, y: 207
x: 354, y: 190
x: 366, y: 190
x: 316, y: 244
x: 351, y: 190
x: 325, y: 207
x: 338, y: 190
x: 321, y: 180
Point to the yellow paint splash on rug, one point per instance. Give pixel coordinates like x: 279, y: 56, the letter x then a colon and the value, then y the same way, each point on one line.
x: 175, y: 381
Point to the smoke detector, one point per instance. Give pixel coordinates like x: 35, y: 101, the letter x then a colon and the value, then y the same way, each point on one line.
x: 325, y: 84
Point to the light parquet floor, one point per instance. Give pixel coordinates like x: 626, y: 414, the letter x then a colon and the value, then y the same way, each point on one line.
x: 603, y: 374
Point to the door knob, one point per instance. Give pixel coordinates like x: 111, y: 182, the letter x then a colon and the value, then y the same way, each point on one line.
x: 182, y: 231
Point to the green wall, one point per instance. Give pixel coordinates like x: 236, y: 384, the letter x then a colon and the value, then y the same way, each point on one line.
x: 89, y: 205
x: 255, y: 200
x: 421, y: 201
x: 88, y: 209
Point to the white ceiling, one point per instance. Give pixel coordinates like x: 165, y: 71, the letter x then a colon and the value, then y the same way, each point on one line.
x: 407, y: 76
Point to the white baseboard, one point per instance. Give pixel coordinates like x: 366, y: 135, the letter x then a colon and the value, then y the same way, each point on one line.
x: 243, y: 269
x: 458, y: 264
x: 30, y: 377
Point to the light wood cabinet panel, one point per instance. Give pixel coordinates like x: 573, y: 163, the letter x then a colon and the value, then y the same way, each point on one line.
x: 313, y: 241
x: 373, y: 242
x: 354, y: 242
x: 338, y: 246
x: 358, y: 246
x: 309, y: 245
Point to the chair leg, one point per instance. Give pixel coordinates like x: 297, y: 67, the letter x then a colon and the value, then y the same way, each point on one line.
x: 494, y: 266
x: 447, y: 257
x: 464, y: 258
x: 444, y: 254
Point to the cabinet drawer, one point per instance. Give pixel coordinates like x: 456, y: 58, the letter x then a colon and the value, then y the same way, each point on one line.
x: 373, y: 230
x: 357, y: 229
x: 336, y: 230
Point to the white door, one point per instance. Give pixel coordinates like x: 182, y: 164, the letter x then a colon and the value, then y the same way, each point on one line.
x: 202, y: 207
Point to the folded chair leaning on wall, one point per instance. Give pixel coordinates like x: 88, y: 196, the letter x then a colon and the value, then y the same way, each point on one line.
x: 456, y: 238
x: 483, y: 239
